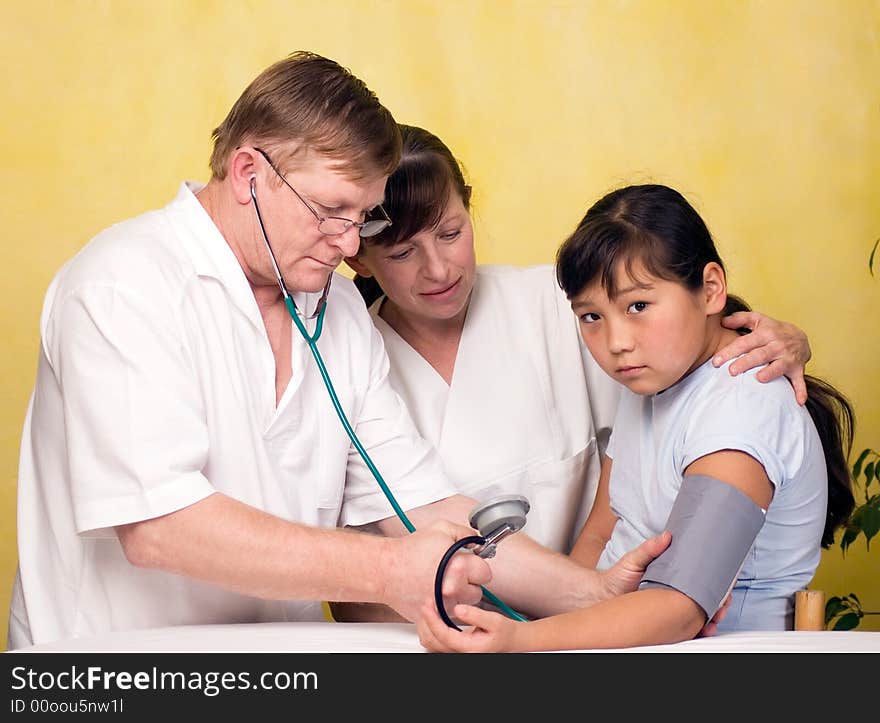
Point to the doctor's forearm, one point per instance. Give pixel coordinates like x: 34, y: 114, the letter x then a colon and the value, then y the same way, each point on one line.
x: 224, y: 542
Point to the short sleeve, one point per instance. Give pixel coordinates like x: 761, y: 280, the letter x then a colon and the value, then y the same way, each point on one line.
x: 761, y: 420
x: 136, y: 433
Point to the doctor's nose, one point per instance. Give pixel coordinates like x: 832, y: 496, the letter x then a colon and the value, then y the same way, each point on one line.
x: 348, y: 242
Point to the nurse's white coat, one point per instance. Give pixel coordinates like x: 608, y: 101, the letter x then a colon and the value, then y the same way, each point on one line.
x: 528, y: 408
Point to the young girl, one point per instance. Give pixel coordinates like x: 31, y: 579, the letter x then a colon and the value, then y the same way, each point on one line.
x: 750, y: 483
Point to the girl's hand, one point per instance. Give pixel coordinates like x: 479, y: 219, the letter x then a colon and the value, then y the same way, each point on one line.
x: 711, y: 627
x: 489, y: 632
x: 783, y: 347
x: 626, y: 574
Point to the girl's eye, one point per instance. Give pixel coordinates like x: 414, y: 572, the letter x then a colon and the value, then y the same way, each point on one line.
x: 589, y: 317
x: 637, y: 307
x: 450, y: 235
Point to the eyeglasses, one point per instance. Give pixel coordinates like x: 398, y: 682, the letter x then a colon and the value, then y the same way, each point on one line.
x: 335, y: 225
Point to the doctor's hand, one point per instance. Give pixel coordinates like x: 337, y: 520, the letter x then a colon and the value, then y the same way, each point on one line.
x: 783, y: 347
x: 412, y: 568
x: 489, y: 632
x: 627, y: 572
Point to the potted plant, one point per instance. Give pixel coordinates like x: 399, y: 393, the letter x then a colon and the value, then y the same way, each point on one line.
x: 846, y: 612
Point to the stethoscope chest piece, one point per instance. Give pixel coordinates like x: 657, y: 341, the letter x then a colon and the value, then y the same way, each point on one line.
x: 503, y: 510
x: 496, y: 519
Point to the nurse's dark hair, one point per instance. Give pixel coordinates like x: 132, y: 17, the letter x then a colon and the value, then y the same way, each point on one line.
x: 416, y: 194
x: 655, y: 227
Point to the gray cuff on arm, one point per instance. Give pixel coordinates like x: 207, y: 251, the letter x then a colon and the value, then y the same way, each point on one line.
x: 713, y: 527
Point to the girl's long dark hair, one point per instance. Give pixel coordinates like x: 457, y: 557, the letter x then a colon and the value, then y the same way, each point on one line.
x: 416, y: 194
x: 655, y: 226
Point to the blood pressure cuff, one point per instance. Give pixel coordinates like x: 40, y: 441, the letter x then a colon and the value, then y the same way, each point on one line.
x: 713, y: 527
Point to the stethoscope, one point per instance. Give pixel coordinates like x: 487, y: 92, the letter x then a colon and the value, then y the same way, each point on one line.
x: 495, y: 519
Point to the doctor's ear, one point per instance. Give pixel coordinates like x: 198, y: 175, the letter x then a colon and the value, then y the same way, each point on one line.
x: 241, y: 173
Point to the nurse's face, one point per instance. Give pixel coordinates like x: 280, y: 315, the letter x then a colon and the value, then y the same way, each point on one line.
x: 305, y: 255
x: 428, y: 277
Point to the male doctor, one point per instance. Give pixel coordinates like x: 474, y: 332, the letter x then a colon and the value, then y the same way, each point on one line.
x: 181, y: 462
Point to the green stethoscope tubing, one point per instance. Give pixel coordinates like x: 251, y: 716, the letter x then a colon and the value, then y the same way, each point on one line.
x: 312, y: 341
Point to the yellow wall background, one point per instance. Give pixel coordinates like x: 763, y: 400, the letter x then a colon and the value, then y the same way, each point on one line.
x: 763, y: 113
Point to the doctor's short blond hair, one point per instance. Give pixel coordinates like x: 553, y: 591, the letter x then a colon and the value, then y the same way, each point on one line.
x: 306, y: 102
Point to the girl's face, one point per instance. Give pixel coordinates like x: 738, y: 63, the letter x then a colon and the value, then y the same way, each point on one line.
x: 654, y: 332
x: 428, y: 277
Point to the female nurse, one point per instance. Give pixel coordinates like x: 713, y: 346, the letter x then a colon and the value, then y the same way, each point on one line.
x: 489, y: 358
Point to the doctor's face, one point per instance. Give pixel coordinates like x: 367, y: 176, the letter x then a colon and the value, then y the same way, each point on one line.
x: 294, y: 208
x: 429, y: 276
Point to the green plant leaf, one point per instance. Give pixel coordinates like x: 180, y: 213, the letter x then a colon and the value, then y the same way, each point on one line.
x: 850, y: 533
x: 870, y: 523
x: 847, y: 622
x: 871, y: 257
x: 869, y: 472
x: 834, y: 606
x: 857, y: 467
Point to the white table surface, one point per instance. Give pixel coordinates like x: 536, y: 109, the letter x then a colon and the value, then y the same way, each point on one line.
x: 402, y: 638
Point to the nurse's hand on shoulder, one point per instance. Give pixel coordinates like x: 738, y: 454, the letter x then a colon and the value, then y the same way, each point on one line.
x: 487, y: 632
x: 783, y: 347
x: 412, y: 568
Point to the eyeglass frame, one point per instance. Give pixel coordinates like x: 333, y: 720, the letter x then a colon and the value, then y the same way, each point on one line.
x: 321, y: 219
